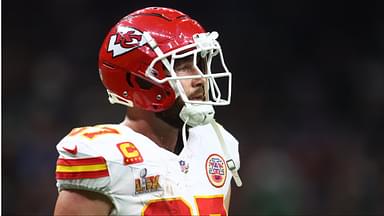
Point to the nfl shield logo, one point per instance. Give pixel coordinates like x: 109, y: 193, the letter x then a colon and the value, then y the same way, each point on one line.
x: 183, y: 166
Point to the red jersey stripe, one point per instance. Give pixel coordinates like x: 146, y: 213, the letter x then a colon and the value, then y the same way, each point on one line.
x: 81, y: 161
x: 82, y: 175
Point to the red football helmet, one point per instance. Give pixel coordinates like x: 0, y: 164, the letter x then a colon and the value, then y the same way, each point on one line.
x: 136, y: 60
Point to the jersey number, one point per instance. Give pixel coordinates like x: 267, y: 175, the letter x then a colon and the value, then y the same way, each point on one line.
x: 92, y: 132
x: 207, y: 205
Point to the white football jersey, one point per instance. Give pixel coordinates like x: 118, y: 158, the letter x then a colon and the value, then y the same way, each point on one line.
x: 141, y: 178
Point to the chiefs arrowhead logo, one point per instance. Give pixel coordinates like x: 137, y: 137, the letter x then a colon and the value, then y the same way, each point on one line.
x: 125, y: 40
x: 71, y: 151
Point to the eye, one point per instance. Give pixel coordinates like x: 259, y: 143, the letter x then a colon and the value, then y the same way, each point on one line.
x: 184, y: 64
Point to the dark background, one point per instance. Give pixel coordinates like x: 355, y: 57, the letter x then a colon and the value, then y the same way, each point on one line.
x: 307, y: 108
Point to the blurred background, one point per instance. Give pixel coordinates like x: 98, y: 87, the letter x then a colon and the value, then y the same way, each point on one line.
x: 307, y: 108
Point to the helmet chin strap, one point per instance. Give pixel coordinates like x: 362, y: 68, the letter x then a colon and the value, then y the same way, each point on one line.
x: 202, y: 114
x: 197, y: 114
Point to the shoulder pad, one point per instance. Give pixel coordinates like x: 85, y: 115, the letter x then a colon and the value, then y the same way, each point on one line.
x: 78, y: 156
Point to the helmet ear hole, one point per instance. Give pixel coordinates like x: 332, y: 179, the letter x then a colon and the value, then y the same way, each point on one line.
x: 144, y: 84
x: 128, y: 78
x: 140, y: 82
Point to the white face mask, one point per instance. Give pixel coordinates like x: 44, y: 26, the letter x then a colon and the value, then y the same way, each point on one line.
x: 216, y: 73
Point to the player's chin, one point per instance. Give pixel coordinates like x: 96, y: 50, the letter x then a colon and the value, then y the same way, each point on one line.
x: 197, y: 101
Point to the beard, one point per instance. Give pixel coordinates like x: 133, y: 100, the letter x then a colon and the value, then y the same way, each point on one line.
x: 171, y: 115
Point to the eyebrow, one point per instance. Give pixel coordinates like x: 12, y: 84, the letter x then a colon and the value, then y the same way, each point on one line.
x: 183, y: 61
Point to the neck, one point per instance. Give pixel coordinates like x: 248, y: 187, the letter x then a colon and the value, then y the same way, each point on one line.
x: 148, y: 124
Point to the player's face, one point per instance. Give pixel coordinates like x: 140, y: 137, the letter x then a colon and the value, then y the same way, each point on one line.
x: 195, y: 89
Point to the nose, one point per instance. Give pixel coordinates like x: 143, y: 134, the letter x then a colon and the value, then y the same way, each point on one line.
x: 198, y: 82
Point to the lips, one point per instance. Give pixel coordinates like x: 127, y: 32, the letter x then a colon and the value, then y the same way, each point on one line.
x: 197, y: 97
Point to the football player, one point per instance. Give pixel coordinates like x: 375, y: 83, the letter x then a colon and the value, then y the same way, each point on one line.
x: 168, y: 156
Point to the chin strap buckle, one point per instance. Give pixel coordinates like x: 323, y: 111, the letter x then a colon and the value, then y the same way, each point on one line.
x: 232, y: 167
